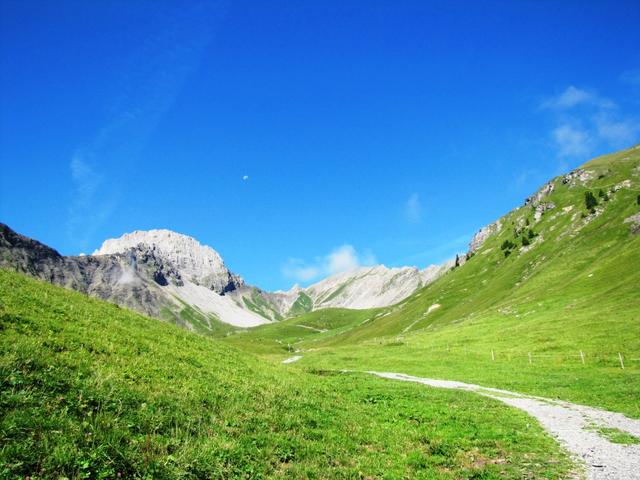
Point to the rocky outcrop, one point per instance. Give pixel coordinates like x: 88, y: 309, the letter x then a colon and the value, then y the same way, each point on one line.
x: 200, y: 264
x: 143, y: 276
x: 577, y: 177
x: 619, y: 186
x: 535, y: 199
x: 482, y: 235
x: 131, y: 279
x: 541, y: 209
x: 634, y: 220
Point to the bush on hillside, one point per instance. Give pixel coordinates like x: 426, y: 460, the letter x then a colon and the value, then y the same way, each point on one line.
x: 590, y: 201
x: 507, y: 245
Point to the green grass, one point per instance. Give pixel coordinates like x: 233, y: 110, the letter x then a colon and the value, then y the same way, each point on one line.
x: 257, y: 304
x: 302, y: 305
x: 90, y: 390
x: 616, y: 435
x: 575, y: 289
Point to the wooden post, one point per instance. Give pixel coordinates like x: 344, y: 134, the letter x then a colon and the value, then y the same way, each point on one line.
x: 621, y: 360
x: 582, y: 357
x: 493, y: 357
x: 530, y: 362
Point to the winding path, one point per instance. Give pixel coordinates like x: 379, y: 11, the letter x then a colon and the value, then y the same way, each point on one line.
x: 573, y: 425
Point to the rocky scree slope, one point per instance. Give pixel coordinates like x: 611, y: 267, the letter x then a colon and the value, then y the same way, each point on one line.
x: 362, y: 288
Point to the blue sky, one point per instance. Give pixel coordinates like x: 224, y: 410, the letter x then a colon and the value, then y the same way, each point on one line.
x: 302, y: 138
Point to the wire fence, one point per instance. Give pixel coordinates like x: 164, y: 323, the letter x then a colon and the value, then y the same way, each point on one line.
x: 619, y: 359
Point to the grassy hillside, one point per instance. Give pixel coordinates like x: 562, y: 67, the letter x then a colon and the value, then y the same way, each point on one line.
x: 90, y: 390
x: 552, y: 287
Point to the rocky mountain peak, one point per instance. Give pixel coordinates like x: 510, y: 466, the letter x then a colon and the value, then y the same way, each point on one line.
x: 197, y: 263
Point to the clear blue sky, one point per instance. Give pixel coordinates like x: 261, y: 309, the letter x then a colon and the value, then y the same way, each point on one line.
x: 280, y: 132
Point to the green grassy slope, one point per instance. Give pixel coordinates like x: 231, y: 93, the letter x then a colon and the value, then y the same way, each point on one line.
x: 90, y: 390
x: 575, y: 288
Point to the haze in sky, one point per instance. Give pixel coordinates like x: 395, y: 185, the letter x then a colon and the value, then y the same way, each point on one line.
x: 298, y: 139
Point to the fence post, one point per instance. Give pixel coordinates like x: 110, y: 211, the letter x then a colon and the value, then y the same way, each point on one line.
x: 493, y: 357
x: 530, y: 362
x: 621, y: 360
x: 582, y: 357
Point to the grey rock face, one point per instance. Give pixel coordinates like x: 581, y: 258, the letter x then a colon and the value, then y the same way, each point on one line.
x: 541, y: 208
x: 482, y: 235
x: 537, y: 197
x: 576, y: 177
x: 634, y: 220
x: 130, y: 279
x: 199, y: 264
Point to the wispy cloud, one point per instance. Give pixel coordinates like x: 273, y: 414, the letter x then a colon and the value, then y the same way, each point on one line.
x: 341, y: 259
x: 585, y: 121
x: 573, y: 96
x: 90, y: 207
x: 571, y: 141
x: 413, y: 209
x: 153, y: 75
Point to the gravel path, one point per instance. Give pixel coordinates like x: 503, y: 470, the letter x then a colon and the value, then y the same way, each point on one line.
x: 295, y: 358
x: 573, y: 425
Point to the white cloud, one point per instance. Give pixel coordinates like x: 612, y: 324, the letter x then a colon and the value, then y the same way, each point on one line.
x: 572, y: 97
x: 413, y: 208
x: 341, y: 259
x: 295, y: 268
x: 571, y: 141
x: 586, y: 122
x: 245, y: 177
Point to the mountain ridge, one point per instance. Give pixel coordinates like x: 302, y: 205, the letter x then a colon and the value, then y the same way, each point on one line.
x: 174, y: 277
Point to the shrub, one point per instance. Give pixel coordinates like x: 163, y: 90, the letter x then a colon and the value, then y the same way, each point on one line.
x: 525, y: 241
x: 507, y: 245
x: 590, y: 201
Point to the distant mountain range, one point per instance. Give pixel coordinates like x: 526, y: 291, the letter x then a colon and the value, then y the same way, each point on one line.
x: 172, y: 276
